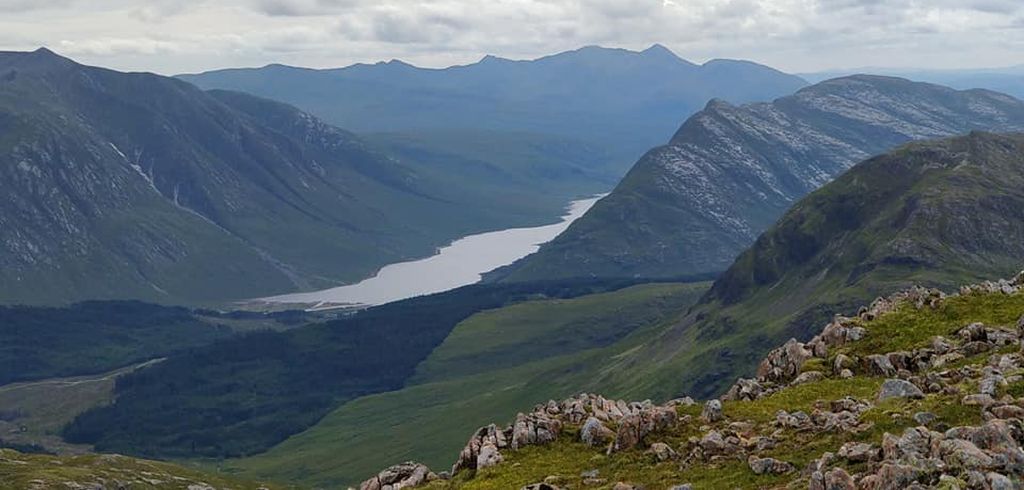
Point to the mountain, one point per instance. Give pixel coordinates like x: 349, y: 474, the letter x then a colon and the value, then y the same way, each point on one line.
x: 136, y: 186
x: 919, y: 390
x: 1009, y: 80
x: 936, y: 214
x: 624, y: 101
x: 730, y: 171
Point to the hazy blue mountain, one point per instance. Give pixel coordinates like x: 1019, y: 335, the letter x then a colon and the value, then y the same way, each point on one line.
x: 730, y: 171
x: 625, y: 101
x: 1009, y: 80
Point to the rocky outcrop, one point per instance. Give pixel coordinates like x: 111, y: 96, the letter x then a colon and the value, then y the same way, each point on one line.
x: 614, y: 424
x: 984, y: 456
x: 405, y: 475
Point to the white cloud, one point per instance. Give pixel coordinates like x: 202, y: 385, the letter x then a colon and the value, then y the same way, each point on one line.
x: 171, y: 36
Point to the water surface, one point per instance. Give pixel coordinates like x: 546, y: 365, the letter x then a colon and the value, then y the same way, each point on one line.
x: 456, y: 265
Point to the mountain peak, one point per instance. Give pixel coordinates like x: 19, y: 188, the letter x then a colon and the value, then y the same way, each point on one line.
x: 660, y: 51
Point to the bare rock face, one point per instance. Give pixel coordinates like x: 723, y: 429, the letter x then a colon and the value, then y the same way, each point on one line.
x: 405, y: 475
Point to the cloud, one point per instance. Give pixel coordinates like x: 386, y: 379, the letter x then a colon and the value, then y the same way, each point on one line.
x: 796, y: 35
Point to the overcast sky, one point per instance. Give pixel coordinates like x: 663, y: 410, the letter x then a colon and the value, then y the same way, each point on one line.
x: 175, y: 36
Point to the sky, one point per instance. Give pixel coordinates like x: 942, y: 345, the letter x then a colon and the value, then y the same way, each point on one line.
x: 183, y: 36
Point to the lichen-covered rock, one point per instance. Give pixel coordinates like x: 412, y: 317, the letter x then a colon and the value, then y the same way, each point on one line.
x: 405, y: 475
x: 662, y: 451
x: 712, y: 411
x: 880, y: 365
x: 783, y: 364
x: 859, y: 452
x: 594, y: 433
x: 898, y: 388
x: 489, y: 456
x: 770, y: 466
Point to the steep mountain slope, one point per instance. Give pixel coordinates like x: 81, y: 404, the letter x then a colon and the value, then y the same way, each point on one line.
x: 729, y: 172
x: 138, y: 186
x: 919, y: 390
x: 624, y: 101
x: 938, y: 213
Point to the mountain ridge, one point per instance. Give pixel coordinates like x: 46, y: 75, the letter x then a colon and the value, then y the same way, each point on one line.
x: 135, y: 186
x: 690, y: 206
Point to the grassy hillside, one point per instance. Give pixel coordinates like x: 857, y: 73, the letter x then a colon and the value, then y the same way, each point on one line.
x: 35, y: 471
x: 940, y: 214
x: 951, y: 399
x: 32, y: 414
x: 493, y: 364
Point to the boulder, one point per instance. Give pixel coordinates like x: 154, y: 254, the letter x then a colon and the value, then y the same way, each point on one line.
x: 594, y: 433
x: 405, y: 475
x: 744, y: 389
x: 489, y: 456
x: 924, y: 418
x: 859, y: 452
x: 880, y: 365
x: 630, y: 433
x: 768, y: 466
x: 1008, y: 412
x: 808, y: 377
x: 837, y: 479
x: 898, y: 388
x: 963, y: 454
x: 891, y: 476
x: 540, y: 486
x: 974, y: 332
x: 997, y: 481
x: 662, y: 451
x: 712, y: 411
x: 841, y: 362
x: 784, y: 363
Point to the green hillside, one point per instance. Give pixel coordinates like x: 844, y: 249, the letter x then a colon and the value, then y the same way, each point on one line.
x: 494, y: 363
x: 939, y: 214
x: 948, y: 416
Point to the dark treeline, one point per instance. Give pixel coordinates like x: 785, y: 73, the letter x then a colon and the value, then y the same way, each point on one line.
x: 242, y: 395
x: 94, y: 337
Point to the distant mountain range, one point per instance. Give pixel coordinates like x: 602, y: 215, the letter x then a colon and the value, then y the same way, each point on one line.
x: 624, y: 101
x: 692, y: 205
x: 1009, y: 80
x: 116, y: 185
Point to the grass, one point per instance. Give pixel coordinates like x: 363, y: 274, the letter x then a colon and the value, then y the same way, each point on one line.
x: 86, y: 471
x: 34, y: 412
x: 456, y: 390
x: 908, y: 328
x: 566, y: 459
